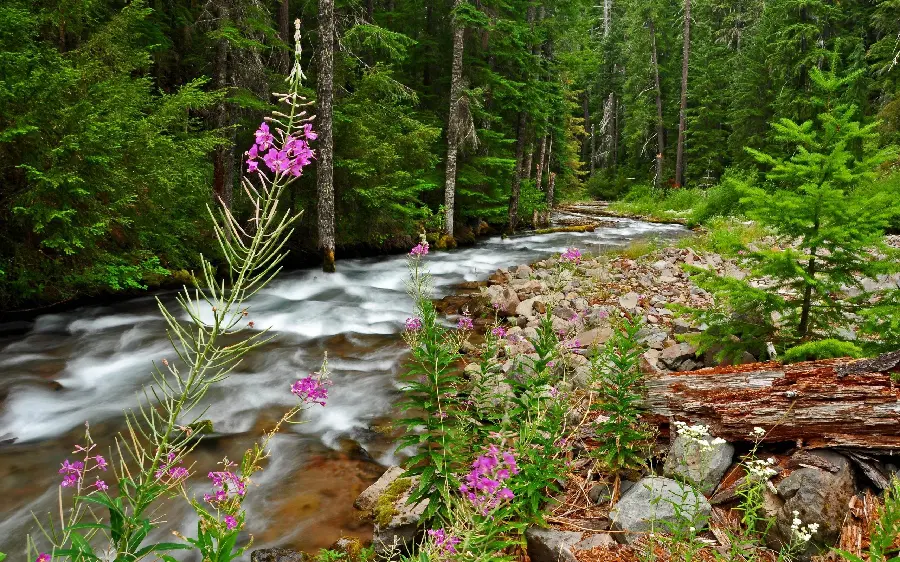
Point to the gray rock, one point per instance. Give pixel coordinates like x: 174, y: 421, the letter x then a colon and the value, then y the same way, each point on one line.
x: 674, y: 355
x: 703, y: 467
x: 403, y: 528
x: 277, y: 555
x: 819, y: 497
x: 550, y: 545
x: 658, y: 503
x: 523, y: 272
x: 564, y: 312
x: 526, y: 308
x: 367, y: 500
x: 505, y: 298
x: 629, y: 301
x: 595, y: 336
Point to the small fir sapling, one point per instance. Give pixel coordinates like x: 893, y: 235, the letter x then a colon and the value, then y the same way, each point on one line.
x: 830, y: 233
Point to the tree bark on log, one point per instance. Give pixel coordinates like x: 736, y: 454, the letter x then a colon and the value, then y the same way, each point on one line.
x: 818, y: 404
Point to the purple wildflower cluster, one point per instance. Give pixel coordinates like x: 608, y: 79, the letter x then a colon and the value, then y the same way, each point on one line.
x: 421, y: 249
x: 311, y: 390
x: 572, y: 255
x: 74, y: 472
x: 499, y: 332
x: 444, y: 542
x: 483, y: 486
x: 465, y: 323
x: 294, y: 155
x: 227, y: 485
x: 172, y: 470
x: 230, y: 522
x: 413, y: 324
x: 43, y: 557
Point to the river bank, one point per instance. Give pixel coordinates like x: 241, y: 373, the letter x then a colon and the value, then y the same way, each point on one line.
x: 599, y: 515
x: 88, y: 363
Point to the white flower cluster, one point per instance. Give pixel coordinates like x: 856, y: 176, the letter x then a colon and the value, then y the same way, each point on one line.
x: 758, y: 432
x: 802, y: 534
x: 697, y: 434
x: 761, y: 469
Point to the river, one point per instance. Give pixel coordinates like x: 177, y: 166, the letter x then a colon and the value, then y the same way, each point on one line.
x: 87, y: 364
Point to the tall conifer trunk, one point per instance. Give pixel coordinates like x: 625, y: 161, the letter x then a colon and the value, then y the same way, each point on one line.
x: 517, y: 174
x: 325, y: 120
x: 682, y: 116
x: 223, y: 157
x: 660, y: 128
x: 542, y: 152
x: 285, y: 33
x: 453, y: 126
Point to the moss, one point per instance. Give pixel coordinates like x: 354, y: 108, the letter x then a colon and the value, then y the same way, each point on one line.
x: 822, y: 349
x: 580, y: 228
x: 386, y: 507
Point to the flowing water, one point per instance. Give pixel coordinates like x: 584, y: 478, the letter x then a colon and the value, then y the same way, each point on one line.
x: 88, y: 364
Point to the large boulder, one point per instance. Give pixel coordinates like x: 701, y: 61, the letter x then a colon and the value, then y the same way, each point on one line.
x: 703, y: 465
x: 674, y: 356
x: 367, y: 500
x: 661, y: 504
x: 818, y: 496
x: 396, y: 521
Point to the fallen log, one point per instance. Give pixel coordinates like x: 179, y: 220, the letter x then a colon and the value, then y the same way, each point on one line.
x: 818, y: 404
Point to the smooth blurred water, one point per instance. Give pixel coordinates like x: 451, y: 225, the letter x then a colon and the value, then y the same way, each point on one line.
x: 88, y: 364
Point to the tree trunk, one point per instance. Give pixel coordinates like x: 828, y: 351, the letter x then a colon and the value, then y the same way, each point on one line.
x: 660, y: 128
x: 223, y: 157
x: 586, y: 116
x: 593, y: 155
x: 607, y: 17
x: 529, y: 155
x: 285, y: 33
x: 426, y: 70
x: 682, y: 116
x: 453, y: 125
x: 325, y: 120
x: 551, y: 191
x: 542, y: 152
x: 517, y: 174
x: 831, y: 403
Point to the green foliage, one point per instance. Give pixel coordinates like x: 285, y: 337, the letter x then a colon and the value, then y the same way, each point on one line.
x: 827, y: 231
x: 724, y: 198
x: 624, y: 441
x: 822, y: 349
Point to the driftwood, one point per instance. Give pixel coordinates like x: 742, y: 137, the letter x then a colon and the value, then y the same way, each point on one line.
x: 831, y: 403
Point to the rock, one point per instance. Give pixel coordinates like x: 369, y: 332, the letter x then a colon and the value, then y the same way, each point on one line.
x: 660, y: 503
x: 550, y: 545
x: 629, y: 301
x: 597, y: 316
x: 564, y: 312
x: 593, y: 541
x: 526, y: 308
x: 277, y: 555
x: 403, y: 527
x: 367, y: 500
x: 504, y: 298
x: 523, y: 272
x: 595, y: 336
x: 819, y: 497
x: 682, y: 326
x: 703, y: 467
x: 650, y: 361
x: 674, y: 355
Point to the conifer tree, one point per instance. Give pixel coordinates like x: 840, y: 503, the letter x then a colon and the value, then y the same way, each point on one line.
x: 805, y: 287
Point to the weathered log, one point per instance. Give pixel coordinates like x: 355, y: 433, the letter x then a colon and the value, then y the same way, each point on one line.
x: 818, y: 404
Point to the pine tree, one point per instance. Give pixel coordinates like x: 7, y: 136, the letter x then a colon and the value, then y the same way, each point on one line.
x: 827, y: 229
x: 325, y: 124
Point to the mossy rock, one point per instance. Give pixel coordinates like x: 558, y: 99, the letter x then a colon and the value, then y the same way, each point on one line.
x: 386, y: 507
x: 445, y: 242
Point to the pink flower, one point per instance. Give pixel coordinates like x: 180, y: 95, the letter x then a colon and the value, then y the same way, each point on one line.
x: 482, y: 486
x: 465, y: 323
x: 43, y: 557
x: 101, y: 485
x: 309, y: 133
x: 572, y: 255
x: 263, y: 136
x: 252, y: 166
x: 419, y: 250
x: 311, y: 390
x: 444, y: 542
x: 413, y: 324
x: 499, y: 331
x: 101, y: 462
x: 230, y: 522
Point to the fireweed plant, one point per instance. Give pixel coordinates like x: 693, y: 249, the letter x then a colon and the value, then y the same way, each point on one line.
x: 113, y: 506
